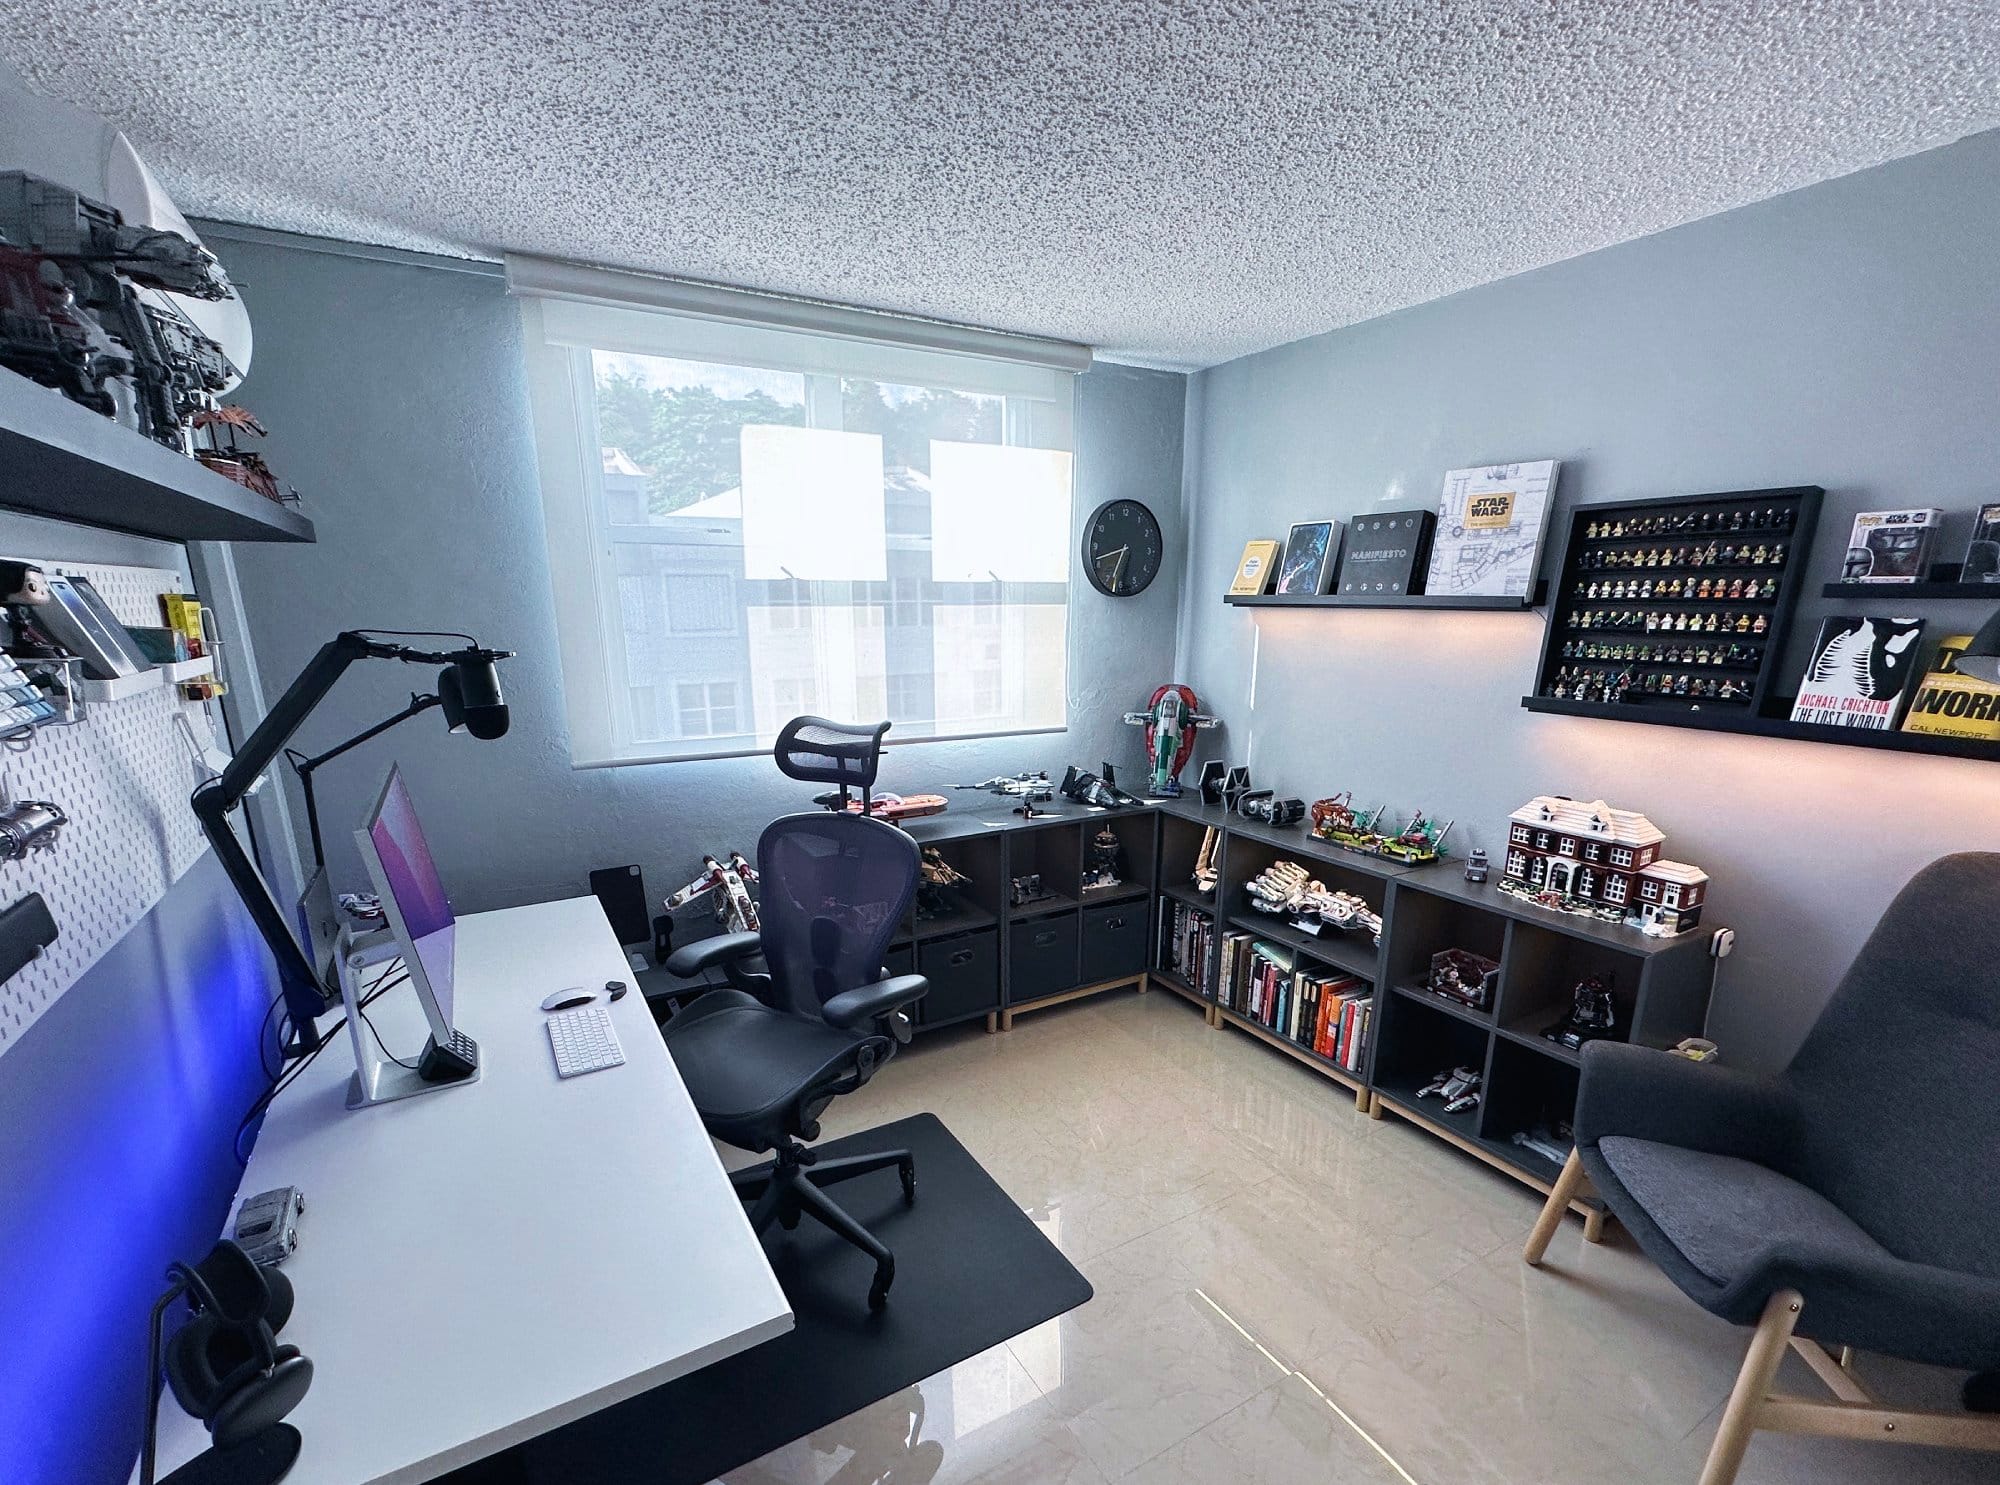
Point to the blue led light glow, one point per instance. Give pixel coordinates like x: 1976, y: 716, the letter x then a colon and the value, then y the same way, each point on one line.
x: 117, y: 1112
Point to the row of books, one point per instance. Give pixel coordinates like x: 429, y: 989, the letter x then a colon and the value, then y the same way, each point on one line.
x: 1187, y: 941
x: 1325, y: 1011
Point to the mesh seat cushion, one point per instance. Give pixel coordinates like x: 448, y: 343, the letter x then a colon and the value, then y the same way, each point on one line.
x: 1725, y: 1215
x: 745, y: 1064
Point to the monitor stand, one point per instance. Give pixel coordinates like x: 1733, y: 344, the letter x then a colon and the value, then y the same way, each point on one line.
x: 383, y: 1079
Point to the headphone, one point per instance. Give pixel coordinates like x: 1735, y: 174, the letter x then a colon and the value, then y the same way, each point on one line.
x: 225, y: 1366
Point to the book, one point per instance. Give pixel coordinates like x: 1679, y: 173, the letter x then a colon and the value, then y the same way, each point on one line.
x: 1309, y: 552
x: 1858, y: 672
x: 1387, y: 555
x: 1254, y: 570
x: 1948, y: 704
x: 1982, y: 552
x: 1891, y: 546
x: 1490, y: 524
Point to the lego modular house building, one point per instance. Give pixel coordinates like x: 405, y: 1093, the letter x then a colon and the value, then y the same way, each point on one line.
x: 1590, y: 857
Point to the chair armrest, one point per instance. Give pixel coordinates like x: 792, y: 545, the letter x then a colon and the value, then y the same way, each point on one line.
x: 1652, y: 1095
x: 857, y: 1007
x: 703, y: 955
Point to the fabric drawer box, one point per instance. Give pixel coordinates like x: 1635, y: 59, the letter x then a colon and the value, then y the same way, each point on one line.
x: 1114, y: 940
x: 964, y: 972
x: 1041, y: 957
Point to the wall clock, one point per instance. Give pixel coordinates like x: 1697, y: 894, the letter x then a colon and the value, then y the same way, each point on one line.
x: 1122, y: 549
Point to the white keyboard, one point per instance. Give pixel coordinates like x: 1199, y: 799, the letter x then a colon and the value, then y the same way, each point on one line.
x: 584, y: 1041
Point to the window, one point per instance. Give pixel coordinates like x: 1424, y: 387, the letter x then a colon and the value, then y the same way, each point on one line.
x: 700, y: 603
x: 1649, y: 889
x: 1614, y: 889
x: 748, y: 522
x: 1519, y: 833
x: 1542, y: 840
x: 707, y: 708
x: 1567, y: 845
x: 1593, y: 850
x: 1621, y: 855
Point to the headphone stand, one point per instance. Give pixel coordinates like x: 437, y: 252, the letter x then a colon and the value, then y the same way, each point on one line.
x: 263, y: 1460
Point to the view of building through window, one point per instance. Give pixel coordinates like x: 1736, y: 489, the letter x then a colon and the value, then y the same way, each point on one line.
x: 846, y: 616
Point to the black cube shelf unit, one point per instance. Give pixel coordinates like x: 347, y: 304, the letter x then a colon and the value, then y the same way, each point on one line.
x: 1661, y: 986
x: 992, y: 959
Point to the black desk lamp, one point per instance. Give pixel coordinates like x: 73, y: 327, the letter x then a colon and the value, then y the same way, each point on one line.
x: 468, y: 691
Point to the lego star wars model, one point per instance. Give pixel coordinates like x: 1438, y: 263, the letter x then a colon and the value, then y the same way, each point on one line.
x: 1171, y: 719
x: 735, y: 909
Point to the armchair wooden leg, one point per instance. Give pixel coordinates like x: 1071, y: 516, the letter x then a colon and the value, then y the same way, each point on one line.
x: 1560, y: 1196
x: 1753, y: 1385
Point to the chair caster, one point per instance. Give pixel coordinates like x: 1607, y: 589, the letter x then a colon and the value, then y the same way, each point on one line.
x: 909, y: 1174
x: 789, y: 1220
x: 885, y: 1275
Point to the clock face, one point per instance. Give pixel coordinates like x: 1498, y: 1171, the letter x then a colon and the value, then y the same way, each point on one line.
x: 1122, y: 548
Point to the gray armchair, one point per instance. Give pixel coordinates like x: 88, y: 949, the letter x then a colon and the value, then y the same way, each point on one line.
x: 1852, y: 1200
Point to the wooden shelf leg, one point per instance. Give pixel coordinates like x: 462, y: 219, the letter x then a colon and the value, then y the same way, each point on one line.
x: 1560, y: 1196
x: 1364, y: 1101
x: 1006, y: 1020
x: 1374, y: 1105
x: 992, y: 1022
x: 1753, y: 1383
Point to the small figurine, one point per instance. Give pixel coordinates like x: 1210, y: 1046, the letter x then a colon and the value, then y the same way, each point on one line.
x: 937, y: 882
x: 1171, y: 719
x: 1593, y: 1015
x: 1106, y: 858
x: 1214, y: 774
x: 735, y: 909
x: 1099, y: 793
x: 246, y: 467
x: 1457, y: 1086
x: 1034, y: 786
x: 1206, y: 874
x: 1476, y: 865
x: 1026, y: 891
x: 1466, y: 977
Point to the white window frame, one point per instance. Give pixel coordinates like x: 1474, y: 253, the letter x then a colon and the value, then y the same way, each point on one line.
x: 561, y: 334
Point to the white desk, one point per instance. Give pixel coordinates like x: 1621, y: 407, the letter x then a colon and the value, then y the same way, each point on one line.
x: 480, y: 1265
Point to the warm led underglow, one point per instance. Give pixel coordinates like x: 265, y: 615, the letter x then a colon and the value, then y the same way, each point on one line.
x: 1317, y: 1391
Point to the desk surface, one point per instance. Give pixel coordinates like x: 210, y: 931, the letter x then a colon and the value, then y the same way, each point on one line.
x: 479, y: 1265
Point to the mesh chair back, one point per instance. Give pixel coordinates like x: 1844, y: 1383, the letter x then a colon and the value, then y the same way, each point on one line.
x: 823, y: 752
x: 835, y: 888
x: 1901, y: 1127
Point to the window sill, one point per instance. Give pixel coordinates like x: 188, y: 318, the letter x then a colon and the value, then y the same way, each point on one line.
x: 764, y: 751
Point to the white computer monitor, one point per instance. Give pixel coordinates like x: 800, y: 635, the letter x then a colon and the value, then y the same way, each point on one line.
x: 420, y: 916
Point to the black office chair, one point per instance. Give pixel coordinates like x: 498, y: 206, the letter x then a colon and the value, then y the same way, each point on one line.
x: 761, y: 1067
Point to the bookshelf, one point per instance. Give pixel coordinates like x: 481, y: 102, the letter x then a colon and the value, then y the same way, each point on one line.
x: 1660, y: 986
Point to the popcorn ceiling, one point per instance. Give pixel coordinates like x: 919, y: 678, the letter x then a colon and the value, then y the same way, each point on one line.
x: 1177, y: 183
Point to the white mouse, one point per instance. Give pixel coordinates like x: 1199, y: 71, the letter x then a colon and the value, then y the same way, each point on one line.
x: 575, y: 995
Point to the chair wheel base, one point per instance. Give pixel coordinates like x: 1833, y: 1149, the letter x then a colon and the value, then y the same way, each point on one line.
x: 878, y: 1292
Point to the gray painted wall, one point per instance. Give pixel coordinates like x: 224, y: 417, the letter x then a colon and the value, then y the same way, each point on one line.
x: 1845, y: 335
x: 398, y: 406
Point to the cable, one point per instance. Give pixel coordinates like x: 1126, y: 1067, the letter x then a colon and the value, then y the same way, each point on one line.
x: 369, y: 1022
x: 291, y: 1075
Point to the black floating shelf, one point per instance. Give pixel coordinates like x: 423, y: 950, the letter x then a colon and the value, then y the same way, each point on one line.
x: 1748, y: 725
x: 1407, y: 600
x: 61, y: 460
x: 1900, y: 592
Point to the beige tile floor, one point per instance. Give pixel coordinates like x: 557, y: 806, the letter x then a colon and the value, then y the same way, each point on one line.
x: 1287, y: 1291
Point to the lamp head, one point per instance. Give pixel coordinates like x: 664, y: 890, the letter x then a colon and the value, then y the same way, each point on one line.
x: 469, y: 689
x: 1981, y: 659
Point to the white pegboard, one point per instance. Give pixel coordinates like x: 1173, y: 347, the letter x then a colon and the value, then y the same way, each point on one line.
x: 123, y: 777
